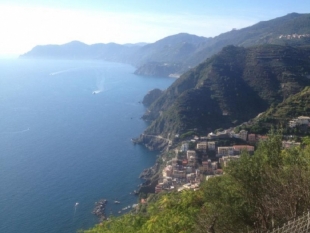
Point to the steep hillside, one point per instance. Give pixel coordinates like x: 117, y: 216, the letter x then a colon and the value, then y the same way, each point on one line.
x: 159, y: 69
x: 173, y: 49
x: 261, y: 33
x: 292, y: 29
x: 294, y: 106
x: 279, y: 115
x: 229, y: 88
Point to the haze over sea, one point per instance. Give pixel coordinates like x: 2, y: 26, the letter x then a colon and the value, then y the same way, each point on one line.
x: 61, y: 144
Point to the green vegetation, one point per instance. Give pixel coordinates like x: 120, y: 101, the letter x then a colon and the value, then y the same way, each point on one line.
x: 188, y: 134
x: 183, y: 50
x: 232, y: 87
x: 159, y: 69
x: 256, y: 193
x: 280, y: 114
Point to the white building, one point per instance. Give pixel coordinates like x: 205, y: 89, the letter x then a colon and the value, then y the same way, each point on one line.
x: 225, y: 150
x: 190, y: 153
x: 303, y: 120
x: 239, y: 148
x: 184, y: 146
x: 243, y: 134
x: 202, y: 146
x: 225, y: 159
x: 211, y: 145
x: 289, y: 144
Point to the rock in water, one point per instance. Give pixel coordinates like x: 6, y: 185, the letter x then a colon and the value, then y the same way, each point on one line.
x: 99, y: 209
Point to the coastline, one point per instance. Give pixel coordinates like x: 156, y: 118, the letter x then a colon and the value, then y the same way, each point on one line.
x: 151, y: 177
x: 152, y: 142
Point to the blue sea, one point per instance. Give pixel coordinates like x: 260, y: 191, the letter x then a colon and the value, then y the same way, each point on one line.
x: 65, y: 138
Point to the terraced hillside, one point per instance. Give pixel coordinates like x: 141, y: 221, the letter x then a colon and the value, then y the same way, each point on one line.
x: 230, y: 88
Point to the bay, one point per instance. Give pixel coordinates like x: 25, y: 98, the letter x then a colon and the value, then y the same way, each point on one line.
x: 65, y: 138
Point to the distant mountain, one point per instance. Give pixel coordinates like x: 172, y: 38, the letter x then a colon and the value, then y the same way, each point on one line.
x: 266, y: 32
x: 171, y: 49
x: 229, y: 88
x: 136, y: 44
x: 74, y: 50
x: 178, y: 53
x: 168, y: 52
x: 78, y: 50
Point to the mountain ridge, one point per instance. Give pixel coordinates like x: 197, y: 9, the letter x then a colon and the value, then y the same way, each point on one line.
x: 229, y: 88
x: 182, y: 51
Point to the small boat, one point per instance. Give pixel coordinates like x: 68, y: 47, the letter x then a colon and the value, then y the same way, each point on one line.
x: 96, y: 92
x: 117, y: 202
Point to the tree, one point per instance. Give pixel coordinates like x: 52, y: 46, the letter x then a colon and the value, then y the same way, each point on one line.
x: 258, y: 192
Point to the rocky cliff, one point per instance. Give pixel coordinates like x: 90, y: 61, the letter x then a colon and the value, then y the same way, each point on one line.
x: 153, y: 142
x: 151, y: 96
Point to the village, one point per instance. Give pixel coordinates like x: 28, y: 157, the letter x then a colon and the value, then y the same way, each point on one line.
x: 294, y: 36
x: 201, y: 158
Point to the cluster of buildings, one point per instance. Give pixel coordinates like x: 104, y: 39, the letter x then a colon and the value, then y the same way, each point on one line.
x: 300, y: 121
x: 294, y: 36
x: 289, y: 144
x: 180, y: 172
x: 190, y: 167
x: 243, y: 135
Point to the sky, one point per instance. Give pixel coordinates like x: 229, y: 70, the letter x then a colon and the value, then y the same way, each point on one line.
x: 25, y: 24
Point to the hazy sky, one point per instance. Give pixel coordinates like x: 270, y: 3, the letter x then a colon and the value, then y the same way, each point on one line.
x: 24, y: 24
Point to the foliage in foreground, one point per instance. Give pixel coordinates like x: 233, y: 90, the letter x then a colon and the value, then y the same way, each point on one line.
x: 256, y: 193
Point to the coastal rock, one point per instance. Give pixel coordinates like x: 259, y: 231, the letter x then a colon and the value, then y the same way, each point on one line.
x: 151, y: 176
x: 151, y: 96
x: 152, y: 142
x: 149, y: 185
x: 149, y: 172
x: 99, y: 209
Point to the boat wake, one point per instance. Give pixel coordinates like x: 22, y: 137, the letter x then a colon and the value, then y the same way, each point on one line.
x: 60, y: 72
x: 16, y: 132
x: 99, y: 85
x: 75, y: 206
